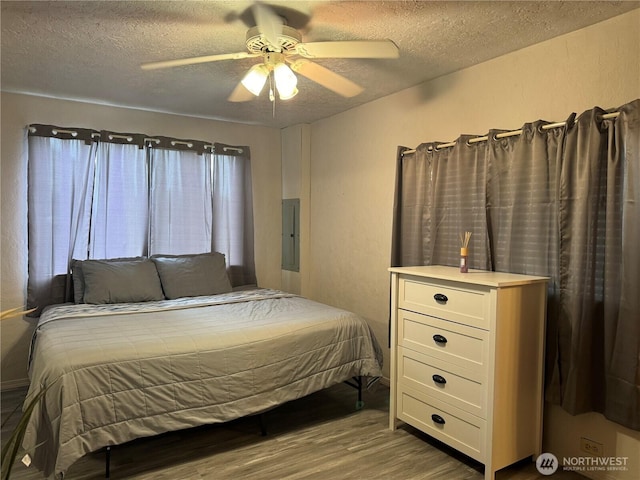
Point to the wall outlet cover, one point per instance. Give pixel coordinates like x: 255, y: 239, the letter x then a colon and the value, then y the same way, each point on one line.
x: 593, y: 448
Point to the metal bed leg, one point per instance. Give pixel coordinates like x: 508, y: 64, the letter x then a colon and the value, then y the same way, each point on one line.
x: 358, y: 386
x: 263, y: 425
x: 108, y: 462
x: 359, y: 403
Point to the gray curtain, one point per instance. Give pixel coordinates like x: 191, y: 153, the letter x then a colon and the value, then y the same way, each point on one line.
x: 120, y: 204
x: 180, y: 218
x: 597, y: 366
x: 105, y: 195
x: 440, y: 193
x: 61, y: 169
x: 523, y: 212
x: 233, y: 211
x: 560, y: 202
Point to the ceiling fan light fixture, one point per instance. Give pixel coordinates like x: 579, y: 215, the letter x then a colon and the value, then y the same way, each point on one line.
x: 255, y: 78
x: 288, y: 95
x: 286, y: 81
x: 278, y: 43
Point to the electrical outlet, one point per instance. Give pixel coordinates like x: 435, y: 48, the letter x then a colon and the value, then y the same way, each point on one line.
x: 591, y: 447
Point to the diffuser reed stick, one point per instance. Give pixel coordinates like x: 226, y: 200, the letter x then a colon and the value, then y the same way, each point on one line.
x: 464, y: 251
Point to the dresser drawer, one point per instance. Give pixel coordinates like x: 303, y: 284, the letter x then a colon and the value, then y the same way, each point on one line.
x: 446, y: 300
x: 459, y: 429
x: 463, y: 346
x: 444, y: 381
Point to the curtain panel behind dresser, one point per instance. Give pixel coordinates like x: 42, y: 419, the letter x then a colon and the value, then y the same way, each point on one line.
x: 558, y: 201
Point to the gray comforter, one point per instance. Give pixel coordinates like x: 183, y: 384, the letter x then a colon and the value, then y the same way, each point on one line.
x: 118, y: 372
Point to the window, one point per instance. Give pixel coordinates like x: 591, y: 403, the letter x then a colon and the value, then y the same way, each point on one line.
x: 107, y: 195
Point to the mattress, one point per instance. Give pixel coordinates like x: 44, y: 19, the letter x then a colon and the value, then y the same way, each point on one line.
x: 118, y: 372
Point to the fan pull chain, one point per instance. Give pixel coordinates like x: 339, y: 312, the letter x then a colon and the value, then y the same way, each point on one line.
x: 272, y: 95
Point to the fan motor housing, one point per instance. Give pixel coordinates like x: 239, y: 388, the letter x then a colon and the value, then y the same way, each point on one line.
x: 287, y: 40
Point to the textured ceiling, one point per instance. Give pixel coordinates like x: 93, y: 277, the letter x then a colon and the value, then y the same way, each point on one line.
x: 92, y: 50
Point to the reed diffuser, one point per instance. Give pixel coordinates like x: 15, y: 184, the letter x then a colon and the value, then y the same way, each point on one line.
x: 464, y: 251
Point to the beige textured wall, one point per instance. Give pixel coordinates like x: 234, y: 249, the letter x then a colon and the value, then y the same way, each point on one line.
x: 21, y: 110
x: 295, y: 184
x: 353, y: 161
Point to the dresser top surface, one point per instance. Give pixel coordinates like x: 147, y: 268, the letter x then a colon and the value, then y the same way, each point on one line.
x: 477, y: 277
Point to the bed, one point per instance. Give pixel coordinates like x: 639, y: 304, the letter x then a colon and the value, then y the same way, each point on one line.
x: 118, y: 370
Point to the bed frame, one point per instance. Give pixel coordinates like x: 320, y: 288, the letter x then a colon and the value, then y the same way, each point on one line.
x: 355, y: 382
x: 233, y: 355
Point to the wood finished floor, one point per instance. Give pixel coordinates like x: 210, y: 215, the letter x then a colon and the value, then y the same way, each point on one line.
x: 319, y: 437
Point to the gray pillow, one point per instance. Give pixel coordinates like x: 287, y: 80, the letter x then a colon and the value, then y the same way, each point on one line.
x: 193, y: 275
x: 78, y: 277
x: 78, y: 281
x: 121, y: 281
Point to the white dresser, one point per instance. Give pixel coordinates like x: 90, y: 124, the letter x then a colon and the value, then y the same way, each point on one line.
x: 467, y: 360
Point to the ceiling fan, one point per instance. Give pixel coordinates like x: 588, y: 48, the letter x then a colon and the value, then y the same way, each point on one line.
x: 282, y: 52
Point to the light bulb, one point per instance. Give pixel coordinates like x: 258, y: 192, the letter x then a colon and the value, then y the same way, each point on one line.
x: 286, y: 81
x: 255, y: 79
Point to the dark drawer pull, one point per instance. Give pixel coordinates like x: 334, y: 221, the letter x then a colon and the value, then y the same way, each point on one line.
x: 440, y: 298
x: 438, y: 419
x: 439, y: 379
x: 439, y: 339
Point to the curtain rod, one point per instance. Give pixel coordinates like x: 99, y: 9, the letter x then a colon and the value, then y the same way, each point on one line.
x: 157, y: 140
x: 149, y: 140
x: 512, y: 133
x: 189, y: 144
x: 175, y: 142
x: 129, y: 138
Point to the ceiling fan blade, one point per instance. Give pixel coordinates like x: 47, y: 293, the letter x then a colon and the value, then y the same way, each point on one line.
x: 325, y: 77
x: 268, y: 23
x: 349, y: 49
x: 240, y: 94
x: 195, y: 60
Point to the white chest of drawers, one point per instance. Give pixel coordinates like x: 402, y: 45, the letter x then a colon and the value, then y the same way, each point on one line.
x: 467, y: 355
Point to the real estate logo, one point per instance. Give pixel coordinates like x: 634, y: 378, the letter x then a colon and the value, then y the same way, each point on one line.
x: 547, y: 464
x: 593, y: 464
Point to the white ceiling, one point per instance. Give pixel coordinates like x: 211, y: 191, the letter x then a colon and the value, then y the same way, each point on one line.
x: 92, y: 50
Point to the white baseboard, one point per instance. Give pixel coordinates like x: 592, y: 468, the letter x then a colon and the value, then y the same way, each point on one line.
x: 14, y: 384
